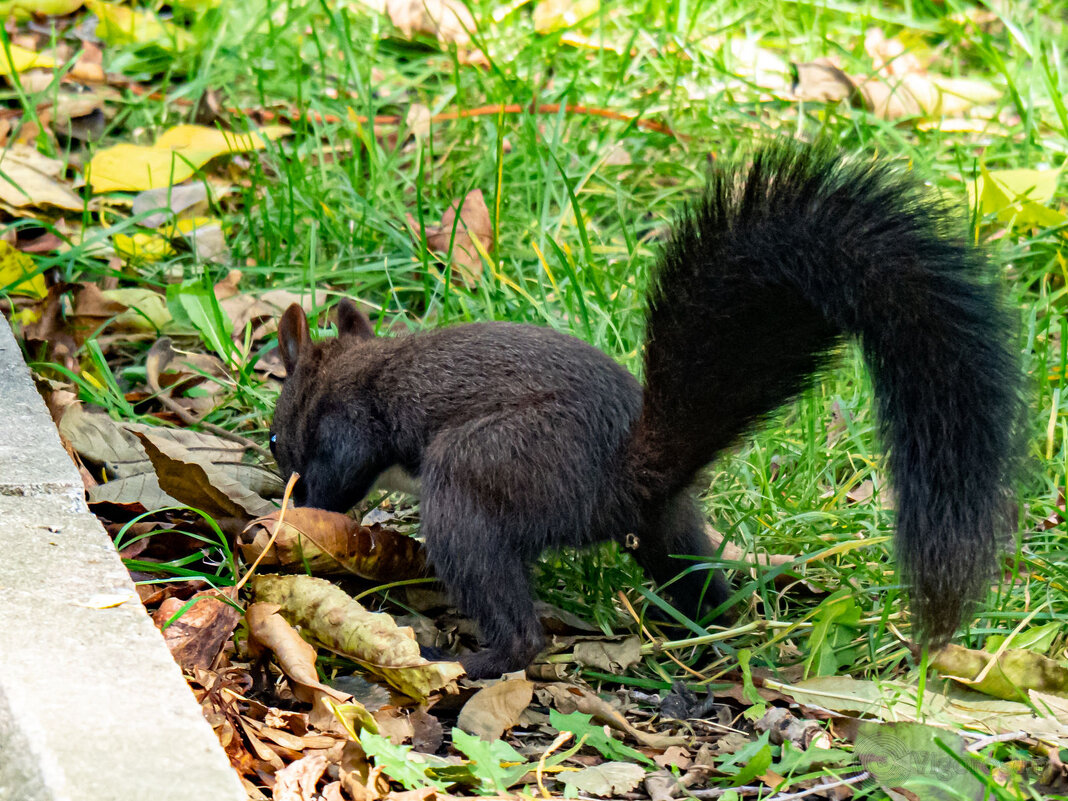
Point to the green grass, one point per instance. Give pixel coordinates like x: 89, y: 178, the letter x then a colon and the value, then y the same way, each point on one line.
x: 342, y: 223
x: 326, y: 208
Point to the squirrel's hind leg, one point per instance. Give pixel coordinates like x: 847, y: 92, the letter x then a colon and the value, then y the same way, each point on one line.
x: 679, y: 531
x: 490, y: 584
x: 477, y: 545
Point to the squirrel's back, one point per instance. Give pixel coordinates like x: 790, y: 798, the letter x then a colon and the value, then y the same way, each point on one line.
x: 550, y: 414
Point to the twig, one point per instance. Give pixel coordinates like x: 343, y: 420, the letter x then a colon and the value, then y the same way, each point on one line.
x: 821, y: 787
x: 274, y: 534
x: 716, y: 792
x: 444, y: 116
x: 634, y: 614
x: 163, y: 353
x: 983, y: 742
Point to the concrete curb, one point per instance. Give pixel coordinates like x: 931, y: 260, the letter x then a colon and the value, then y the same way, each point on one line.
x: 92, y: 707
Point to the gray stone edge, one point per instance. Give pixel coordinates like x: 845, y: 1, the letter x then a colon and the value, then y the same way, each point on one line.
x: 92, y: 706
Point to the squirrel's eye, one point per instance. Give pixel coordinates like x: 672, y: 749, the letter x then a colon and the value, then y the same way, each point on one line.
x: 273, y: 440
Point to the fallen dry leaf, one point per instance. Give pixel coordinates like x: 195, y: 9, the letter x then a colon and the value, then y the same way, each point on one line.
x: 208, y: 242
x: 493, y: 710
x: 891, y: 97
x: 295, y: 656
x: 568, y: 698
x: 458, y: 236
x: 169, y: 202
x: 327, y: 542
x: 28, y: 178
x: 1009, y: 676
x: 889, y: 55
x: 199, y: 483
x: 174, y: 158
x: 262, y: 311
x: 427, y: 732
x: 77, y: 114
x: 113, y: 448
x: 89, y: 66
x: 613, y: 657
x: 47, y: 242
x: 822, y: 82
x: 675, y: 757
x: 862, y: 492
x: 394, y: 724
x: 783, y: 726
x: 448, y: 20
x: 196, y: 637
x: 261, y: 749
x: 418, y: 794
x: 893, y: 700
x: 418, y: 120
x: 606, y: 779
x: 92, y: 311
x: 170, y: 373
x: 926, y: 95
x: 145, y: 310
x: 329, y: 615
x: 228, y: 286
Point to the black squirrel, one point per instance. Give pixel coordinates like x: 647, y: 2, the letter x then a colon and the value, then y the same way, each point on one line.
x: 525, y: 439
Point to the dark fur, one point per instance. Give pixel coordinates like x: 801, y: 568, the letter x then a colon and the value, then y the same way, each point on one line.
x: 526, y: 439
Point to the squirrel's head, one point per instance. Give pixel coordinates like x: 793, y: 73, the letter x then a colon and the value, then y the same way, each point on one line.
x: 300, y: 422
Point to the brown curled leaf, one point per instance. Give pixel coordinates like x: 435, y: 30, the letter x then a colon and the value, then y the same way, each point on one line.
x: 324, y: 542
x: 294, y: 655
x: 198, y: 483
x: 198, y: 635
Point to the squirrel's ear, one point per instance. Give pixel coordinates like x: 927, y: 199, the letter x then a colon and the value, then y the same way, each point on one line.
x: 351, y: 322
x: 293, y: 336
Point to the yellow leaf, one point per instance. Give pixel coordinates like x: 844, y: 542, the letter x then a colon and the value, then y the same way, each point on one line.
x: 121, y: 25
x: 151, y: 246
x: 552, y: 15
x: 22, y: 60
x: 15, y: 265
x: 201, y: 137
x: 131, y: 168
x: 195, y: 5
x: 1018, y: 197
x: 28, y: 316
x: 142, y: 247
x: 961, y: 93
x: 23, y: 9
x: 1036, y: 185
x: 187, y: 226
x: 176, y: 155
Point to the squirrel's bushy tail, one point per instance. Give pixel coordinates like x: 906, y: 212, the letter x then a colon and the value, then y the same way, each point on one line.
x: 757, y: 286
